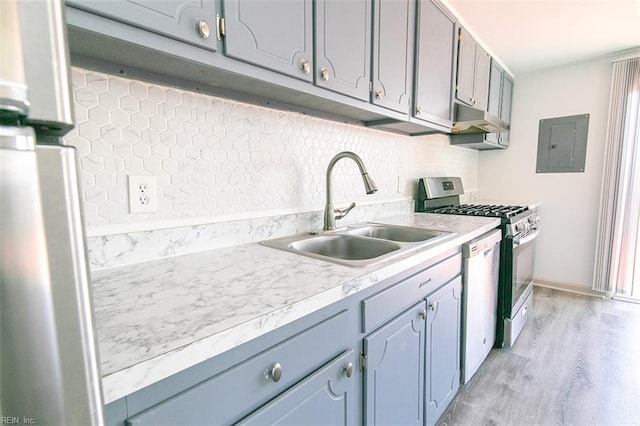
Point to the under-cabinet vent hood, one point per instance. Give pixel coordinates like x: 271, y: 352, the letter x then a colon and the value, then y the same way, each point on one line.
x: 471, y: 120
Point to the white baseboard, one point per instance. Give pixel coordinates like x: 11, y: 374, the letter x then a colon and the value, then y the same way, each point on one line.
x: 571, y: 288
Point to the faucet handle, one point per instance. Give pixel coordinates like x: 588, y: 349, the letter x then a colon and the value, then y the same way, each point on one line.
x: 340, y: 213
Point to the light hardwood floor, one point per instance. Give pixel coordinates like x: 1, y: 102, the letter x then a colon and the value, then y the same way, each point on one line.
x: 576, y: 362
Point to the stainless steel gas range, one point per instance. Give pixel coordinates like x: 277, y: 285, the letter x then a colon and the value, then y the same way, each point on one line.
x: 520, y: 228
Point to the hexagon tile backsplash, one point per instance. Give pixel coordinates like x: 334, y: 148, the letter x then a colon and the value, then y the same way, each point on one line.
x: 213, y: 156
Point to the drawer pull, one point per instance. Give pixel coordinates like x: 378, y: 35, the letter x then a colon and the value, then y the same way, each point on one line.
x: 275, y: 372
x: 348, y: 369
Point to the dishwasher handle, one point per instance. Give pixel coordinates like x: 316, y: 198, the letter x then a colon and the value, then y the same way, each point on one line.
x: 482, y: 244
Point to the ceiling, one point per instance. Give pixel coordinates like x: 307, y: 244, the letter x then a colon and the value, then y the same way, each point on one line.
x: 528, y: 35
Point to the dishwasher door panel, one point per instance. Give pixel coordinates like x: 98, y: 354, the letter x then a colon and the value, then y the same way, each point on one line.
x: 479, y: 308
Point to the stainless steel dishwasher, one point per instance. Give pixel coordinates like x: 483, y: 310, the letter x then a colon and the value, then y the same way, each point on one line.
x: 481, y: 266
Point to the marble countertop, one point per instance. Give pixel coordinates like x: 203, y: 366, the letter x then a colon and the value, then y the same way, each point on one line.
x: 157, y: 318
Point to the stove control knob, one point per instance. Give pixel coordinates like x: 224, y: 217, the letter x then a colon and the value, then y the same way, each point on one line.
x: 519, y: 227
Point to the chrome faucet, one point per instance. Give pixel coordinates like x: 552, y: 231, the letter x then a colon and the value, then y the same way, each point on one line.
x: 331, y: 214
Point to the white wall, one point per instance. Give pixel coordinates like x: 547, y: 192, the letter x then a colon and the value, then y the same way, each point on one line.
x: 214, y: 157
x: 569, y: 212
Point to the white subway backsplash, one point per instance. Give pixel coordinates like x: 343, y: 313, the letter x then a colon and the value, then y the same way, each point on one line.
x: 223, y: 167
x: 214, y: 156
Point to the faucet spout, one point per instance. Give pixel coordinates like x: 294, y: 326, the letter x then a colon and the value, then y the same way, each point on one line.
x: 331, y: 214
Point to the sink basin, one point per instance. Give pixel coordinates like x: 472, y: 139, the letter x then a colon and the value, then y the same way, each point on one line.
x: 398, y: 233
x: 346, y: 250
x: 363, y: 245
x: 345, y: 247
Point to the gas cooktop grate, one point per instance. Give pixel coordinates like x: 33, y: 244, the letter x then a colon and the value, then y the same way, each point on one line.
x: 482, y: 210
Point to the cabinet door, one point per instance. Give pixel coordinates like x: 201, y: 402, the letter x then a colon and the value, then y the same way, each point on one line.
x: 495, y: 89
x: 507, y: 94
x: 495, y: 97
x: 443, y: 349
x: 343, y: 46
x: 481, y: 78
x: 275, y: 34
x: 184, y: 20
x: 466, y: 64
x: 327, y: 397
x: 505, y: 111
x: 394, y: 374
x: 436, y: 34
x: 393, y: 43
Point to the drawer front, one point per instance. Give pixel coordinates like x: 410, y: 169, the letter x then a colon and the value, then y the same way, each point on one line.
x: 380, y: 308
x: 513, y: 326
x: 236, y: 392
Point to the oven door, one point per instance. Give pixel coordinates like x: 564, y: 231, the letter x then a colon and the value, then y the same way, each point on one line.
x: 523, y: 254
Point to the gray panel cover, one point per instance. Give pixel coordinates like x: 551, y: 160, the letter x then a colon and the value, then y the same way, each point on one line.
x: 562, y: 144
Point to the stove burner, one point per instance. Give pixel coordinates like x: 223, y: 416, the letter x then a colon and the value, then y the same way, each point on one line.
x: 482, y: 210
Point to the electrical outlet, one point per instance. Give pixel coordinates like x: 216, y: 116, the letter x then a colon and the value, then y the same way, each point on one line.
x: 143, y: 196
x: 402, y: 183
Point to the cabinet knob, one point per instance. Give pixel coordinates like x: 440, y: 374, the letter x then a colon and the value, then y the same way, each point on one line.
x: 432, y: 305
x: 423, y: 314
x: 418, y: 110
x: 305, y: 66
x: 348, y: 369
x: 275, y: 372
x: 203, y: 29
x: 379, y: 94
x: 324, y: 73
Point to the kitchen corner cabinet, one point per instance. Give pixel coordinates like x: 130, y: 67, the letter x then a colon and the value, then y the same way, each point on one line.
x: 277, y: 35
x: 394, y: 375
x: 183, y: 20
x: 394, y: 26
x: 443, y: 349
x: 435, y: 64
x: 472, y: 84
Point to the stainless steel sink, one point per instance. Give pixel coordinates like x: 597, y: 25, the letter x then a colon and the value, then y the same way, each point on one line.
x: 360, y: 246
x: 346, y: 250
x: 398, y: 233
x: 345, y: 247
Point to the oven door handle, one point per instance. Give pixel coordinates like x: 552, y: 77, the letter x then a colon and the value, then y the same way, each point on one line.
x: 520, y: 241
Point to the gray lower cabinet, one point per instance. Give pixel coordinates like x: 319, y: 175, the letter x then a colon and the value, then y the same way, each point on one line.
x: 394, y: 23
x: 472, y: 84
x: 443, y: 349
x: 435, y: 64
x: 277, y: 35
x: 394, y: 374
x: 327, y: 397
x: 190, y: 21
x: 309, y: 372
x: 240, y: 390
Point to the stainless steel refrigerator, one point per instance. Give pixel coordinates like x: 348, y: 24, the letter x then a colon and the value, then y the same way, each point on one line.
x: 49, y: 368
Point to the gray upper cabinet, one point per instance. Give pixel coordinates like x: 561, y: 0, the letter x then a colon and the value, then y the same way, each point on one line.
x: 473, y: 72
x: 393, y: 46
x: 277, y: 35
x: 495, y: 89
x: 443, y: 354
x: 342, y: 46
x: 435, y: 62
x: 500, y: 93
x: 185, y: 20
